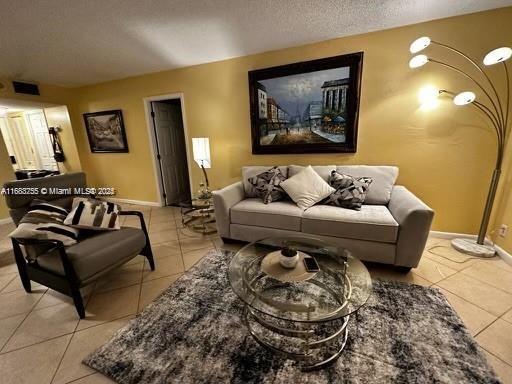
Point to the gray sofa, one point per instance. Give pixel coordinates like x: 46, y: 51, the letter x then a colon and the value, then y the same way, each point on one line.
x: 392, y: 226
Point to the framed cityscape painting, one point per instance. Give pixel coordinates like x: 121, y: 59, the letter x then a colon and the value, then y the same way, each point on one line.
x: 105, y: 131
x: 307, y: 107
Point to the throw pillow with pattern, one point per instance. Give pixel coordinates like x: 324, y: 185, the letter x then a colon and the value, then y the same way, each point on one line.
x: 45, y: 221
x: 350, y: 191
x: 93, y: 214
x: 267, y: 185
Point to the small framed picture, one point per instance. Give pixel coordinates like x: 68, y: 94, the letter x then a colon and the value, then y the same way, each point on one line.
x: 105, y: 131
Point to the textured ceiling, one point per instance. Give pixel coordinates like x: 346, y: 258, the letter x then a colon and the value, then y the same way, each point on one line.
x: 72, y: 42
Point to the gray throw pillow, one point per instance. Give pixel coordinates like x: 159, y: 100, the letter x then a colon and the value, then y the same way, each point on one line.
x: 350, y: 191
x: 267, y: 185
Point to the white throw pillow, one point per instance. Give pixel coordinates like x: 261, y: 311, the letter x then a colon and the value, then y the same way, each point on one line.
x: 306, y: 188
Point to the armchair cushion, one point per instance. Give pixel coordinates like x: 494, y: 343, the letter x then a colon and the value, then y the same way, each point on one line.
x: 97, y: 253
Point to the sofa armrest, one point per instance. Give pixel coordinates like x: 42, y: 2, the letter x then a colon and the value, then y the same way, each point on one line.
x: 223, y: 200
x: 414, y: 218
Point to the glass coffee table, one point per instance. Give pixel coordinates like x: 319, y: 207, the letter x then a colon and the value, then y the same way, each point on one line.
x: 302, y: 315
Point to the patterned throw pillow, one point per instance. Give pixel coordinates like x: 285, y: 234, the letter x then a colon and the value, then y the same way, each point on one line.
x: 45, y: 221
x: 267, y: 185
x: 350, y: 191
x: 94, y: 214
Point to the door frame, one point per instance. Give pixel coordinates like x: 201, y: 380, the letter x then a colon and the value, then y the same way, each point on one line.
x: 152, y: 140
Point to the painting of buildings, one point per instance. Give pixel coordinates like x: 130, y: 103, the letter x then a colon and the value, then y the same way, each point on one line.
x: 311, y: 111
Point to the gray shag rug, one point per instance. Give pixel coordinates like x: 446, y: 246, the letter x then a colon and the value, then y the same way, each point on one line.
x: 193, y: 333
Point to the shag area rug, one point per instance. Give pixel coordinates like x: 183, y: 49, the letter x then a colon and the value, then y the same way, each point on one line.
x: 193, y: 333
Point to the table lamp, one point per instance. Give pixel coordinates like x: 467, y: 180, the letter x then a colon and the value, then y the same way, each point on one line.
x: 495, y: 107
x: 201, y: 149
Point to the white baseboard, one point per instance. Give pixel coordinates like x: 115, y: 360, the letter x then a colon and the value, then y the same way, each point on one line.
x: 507, y: 257
x: 7, y: 220
x: 137, y: 202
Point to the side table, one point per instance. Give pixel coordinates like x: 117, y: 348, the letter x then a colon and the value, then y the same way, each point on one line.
x: 199, y: 216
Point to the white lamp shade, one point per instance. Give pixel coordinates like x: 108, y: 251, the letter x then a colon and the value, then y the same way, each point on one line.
x: 201, y: 149
x: 419, y: 44
x: 464, y: 98
x: 418, y: 61
x: 497, y: 55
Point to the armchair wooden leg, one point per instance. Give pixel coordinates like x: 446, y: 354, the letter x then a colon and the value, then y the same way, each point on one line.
x: 148, y: 253
x: 77, y: 300
x: 22, y: 266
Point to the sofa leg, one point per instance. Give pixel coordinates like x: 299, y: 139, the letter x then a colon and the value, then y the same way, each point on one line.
x: 227, y: 240
x: 403, y: 270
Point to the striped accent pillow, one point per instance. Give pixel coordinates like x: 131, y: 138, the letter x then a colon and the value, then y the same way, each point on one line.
x: 45, y: 221
x: 94, y: 214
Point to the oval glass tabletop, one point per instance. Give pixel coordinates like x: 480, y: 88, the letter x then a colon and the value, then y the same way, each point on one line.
x: 341, y: 287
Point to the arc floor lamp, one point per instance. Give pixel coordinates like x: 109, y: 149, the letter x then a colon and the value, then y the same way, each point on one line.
x: 495, y: 106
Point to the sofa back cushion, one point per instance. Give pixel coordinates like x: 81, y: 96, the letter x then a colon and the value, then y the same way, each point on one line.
x: 254, y: 170
x: 384, y: 178
x: 324, y: 171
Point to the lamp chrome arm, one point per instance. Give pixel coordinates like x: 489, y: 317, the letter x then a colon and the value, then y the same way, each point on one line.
x: 453, y: 68
x: 475, y: 64
x: 505, y: 127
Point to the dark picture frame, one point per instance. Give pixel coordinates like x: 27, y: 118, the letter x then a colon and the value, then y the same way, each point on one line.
x: 328, y: 124
x: 105, y: 131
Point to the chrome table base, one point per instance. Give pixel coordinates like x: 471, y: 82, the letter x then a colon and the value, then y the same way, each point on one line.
x: 299, y: 341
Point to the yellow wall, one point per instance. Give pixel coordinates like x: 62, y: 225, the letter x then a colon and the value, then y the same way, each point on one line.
x: 445, y: 156
x: 503, y: 210
x: 59, y: 117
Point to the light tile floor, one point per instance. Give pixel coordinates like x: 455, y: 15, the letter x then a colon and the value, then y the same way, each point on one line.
x: 43, y: 341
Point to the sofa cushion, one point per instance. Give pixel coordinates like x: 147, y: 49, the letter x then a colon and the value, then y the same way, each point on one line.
x: 324, y: 171
x: 280, y: 214
x: 98, y: 252
x: 372, y: 222
x: 254, y: 170
x: 383, y: 176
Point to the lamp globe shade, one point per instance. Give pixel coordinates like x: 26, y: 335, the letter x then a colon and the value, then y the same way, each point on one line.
x: 497, y: 55
x: 464, y: 98
x: 418, y: 61
x: 419, y: 44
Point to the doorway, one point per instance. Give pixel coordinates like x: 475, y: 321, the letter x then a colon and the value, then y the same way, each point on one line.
x: 169, y: 141
x: 26, y: 137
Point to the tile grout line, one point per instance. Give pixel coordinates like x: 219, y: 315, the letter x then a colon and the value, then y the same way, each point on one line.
x: 476, y: 305
x: 14, y: 275
x: 19, y: 325
x: 83, y: 377
x: 497, y: 357
x: 73, y: 334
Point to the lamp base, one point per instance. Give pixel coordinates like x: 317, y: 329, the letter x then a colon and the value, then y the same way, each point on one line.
x: 470, y: 247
